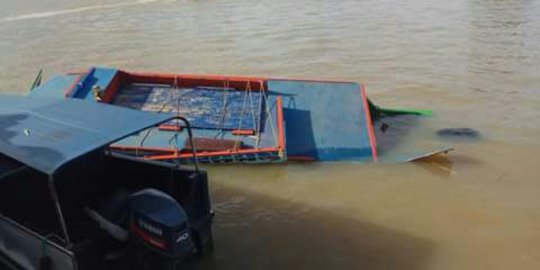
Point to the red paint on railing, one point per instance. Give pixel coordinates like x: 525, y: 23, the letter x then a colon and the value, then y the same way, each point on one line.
x: 170, y: 127
x: 281, y: 135
x: 73, y: 85
x: 369, y: 123
x: 243, y: 132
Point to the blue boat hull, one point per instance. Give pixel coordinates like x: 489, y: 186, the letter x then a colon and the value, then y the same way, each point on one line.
x: 237, y: 119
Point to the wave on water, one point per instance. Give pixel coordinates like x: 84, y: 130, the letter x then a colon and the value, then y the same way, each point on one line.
x: 39, y: 15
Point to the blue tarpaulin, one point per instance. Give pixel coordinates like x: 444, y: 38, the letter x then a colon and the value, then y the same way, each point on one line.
x: 204, y: 107
x: 45, y: 134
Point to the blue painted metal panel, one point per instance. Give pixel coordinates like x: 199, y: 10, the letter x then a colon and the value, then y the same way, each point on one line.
x: 47, y: 133
x: 55, y: 86
x: 101, y: 77
x: 323, y: 120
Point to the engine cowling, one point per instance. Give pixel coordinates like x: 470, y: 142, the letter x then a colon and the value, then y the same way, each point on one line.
x: 160, y: 229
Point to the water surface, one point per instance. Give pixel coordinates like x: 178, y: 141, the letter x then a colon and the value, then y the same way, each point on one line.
x: 474, y: 62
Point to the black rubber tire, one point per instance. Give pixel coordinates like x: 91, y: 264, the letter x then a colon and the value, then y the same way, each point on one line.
x: 459, y: 133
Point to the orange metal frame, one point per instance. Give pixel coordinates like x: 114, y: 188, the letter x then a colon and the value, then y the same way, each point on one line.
x: 168, y: 127
x: 233, y: 81
x: 163, y: 153
x: 369, y: 123
x: 215, y: 80
x: 73, y: 85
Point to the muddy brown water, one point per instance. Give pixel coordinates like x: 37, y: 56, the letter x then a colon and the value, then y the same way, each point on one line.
x: 476, y: 63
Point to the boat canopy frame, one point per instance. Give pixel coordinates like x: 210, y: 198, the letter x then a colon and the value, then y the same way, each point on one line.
x: 32, y: 128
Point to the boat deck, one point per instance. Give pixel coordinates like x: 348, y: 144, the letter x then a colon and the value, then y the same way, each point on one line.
x: 229, y: 125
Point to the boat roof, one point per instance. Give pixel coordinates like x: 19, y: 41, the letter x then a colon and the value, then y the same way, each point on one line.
x: 46, y: 134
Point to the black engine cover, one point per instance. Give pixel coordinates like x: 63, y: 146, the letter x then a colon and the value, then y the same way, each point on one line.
x: 158, y: 221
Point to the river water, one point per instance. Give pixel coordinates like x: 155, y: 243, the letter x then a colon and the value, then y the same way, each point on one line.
x: 476, y: 63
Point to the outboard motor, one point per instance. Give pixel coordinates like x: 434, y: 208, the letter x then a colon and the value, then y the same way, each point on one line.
x: 160, y: 230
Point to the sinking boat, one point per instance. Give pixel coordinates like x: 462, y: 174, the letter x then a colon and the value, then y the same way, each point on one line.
x: 68, y: 202
x: 239, y: 119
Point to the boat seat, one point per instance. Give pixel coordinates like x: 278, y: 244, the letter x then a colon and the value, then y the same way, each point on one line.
x: 210, y: 144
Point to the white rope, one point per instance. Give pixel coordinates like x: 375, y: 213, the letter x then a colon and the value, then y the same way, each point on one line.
x: 223, y: 113
x: 252, y: 107
x: 259, y: 121
x: 147, y: 134
x: 267, y: 107
x: 241, y: 116
x: 177, y: 97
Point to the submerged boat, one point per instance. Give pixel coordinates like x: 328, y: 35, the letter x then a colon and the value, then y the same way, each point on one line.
x: 238, y: 119
x: 68, y: 202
